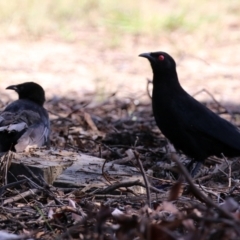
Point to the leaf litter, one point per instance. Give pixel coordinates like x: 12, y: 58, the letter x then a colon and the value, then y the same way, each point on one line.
x: 122, y: 132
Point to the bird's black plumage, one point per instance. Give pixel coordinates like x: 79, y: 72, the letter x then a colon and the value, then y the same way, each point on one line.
x: 190, y: 126
x: 24, y: 122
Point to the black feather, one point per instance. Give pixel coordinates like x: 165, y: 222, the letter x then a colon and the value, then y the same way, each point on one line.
x: 190, y: 126
x: 25, y: 122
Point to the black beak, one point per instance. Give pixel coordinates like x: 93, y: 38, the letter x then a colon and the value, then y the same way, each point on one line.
x: 147, y: 55
x: 13, y: 87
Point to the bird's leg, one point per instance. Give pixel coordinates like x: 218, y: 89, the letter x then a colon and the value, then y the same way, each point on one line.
x: 194, y: 171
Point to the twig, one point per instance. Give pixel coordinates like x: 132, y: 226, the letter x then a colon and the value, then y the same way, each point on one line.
x: 46, y: 187
x: 100, y: 151
x: 104, y: 174
x: 36, y: 178
x: 157, y: 190
x: 104, y: 145
x: 136, y: 154
x: 9, y: 156
x: 148, y: 92
x: 11, y: 185
x: 229, y: 170
x: 44, y: 218
x: 20, y: 196
x: 17, y: 222
x: 136, y: 141
x: 198, y: 194
x: 118, y: 185
x: 210, y: 192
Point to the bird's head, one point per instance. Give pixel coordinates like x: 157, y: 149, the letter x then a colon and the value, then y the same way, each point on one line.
x: 160, y: 61
x: 30, y: 91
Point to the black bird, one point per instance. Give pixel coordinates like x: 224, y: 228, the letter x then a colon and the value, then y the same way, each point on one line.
x: 24, y: 122
x: 190, y: 126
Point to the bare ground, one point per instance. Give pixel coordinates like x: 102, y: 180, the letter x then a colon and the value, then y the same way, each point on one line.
x: 73, y: 71
x: 89, y: 65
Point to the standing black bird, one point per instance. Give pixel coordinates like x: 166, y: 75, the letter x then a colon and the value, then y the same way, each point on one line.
x: 189, y: 125
x: 24, y: 122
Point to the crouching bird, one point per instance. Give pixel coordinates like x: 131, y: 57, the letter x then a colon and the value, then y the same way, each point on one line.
x: 190, y: 126
x: 24, y: 122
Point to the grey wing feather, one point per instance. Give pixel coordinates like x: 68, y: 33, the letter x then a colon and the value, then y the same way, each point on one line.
x: 28, y: 117
x: 36, y: 128
x: 35, y: 136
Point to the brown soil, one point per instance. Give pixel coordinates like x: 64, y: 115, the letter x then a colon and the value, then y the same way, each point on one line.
x: 86, y: 66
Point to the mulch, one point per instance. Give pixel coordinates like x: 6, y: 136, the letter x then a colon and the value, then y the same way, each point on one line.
x: 123, y: 131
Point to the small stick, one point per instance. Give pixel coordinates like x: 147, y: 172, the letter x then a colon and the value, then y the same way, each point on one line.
x: 20, y: 196
x: 136, y: 154
x: 199, y: 195
x: 148, y: 92
x: 11, y: 185
x: 229, y: 171
x: 9, y: 157
x: 116, y: 186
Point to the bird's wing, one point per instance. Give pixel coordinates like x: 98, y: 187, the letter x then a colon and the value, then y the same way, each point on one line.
x: 33, y: 129
x: 198, y: 118
x: 9, y: 118
x: 36, y: 136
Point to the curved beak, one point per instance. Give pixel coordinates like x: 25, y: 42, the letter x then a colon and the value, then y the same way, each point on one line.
x: 13, y: 87
x: 146, y: 55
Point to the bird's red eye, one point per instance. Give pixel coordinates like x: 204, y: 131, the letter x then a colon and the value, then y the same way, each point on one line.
x: 161, y: 57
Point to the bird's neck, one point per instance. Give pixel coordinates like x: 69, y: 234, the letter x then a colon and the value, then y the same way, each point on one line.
x: 167, y: 82
x: 34, y: 97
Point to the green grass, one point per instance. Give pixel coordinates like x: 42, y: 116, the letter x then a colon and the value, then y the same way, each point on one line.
x: 65, y: 17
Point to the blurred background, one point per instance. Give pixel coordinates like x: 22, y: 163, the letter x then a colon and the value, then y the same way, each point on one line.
x: 79, y: 47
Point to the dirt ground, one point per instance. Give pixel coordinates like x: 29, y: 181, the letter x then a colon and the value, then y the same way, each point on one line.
x: 89, y: 65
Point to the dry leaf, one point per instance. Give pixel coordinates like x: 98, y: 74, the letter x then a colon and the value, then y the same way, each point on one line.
x: 175, y: 191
